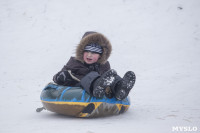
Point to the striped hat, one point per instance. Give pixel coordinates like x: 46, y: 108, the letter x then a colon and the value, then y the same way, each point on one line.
x: 93, y: 47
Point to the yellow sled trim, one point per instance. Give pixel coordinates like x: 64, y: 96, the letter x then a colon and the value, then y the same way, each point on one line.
x: 120, y: 106
x: 68, y: 103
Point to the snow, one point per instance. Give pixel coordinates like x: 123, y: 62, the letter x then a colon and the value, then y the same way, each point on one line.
x: 158, y: 40
x: 109, y: 80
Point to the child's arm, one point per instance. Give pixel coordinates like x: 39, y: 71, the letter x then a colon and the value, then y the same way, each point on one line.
x: 64, y: 78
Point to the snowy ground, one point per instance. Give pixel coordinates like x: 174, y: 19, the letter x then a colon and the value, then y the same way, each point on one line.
x: 158, y: 40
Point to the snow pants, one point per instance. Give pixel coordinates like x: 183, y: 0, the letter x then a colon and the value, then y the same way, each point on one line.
x: 87, y: 82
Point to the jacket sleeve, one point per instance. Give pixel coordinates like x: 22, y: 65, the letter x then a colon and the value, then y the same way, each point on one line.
x: 104, y: 68
x: 65, y: 77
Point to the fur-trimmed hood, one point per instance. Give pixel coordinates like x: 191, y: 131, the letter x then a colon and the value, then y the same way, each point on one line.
x: 94, y: 37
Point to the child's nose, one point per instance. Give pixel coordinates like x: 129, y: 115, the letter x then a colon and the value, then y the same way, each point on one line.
x: 89, y: 54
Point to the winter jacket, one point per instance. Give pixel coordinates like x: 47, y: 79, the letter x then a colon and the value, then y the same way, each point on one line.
x: 76, y: 69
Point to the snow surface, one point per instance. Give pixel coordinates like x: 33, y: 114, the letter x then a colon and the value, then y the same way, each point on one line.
x: 158, y: 40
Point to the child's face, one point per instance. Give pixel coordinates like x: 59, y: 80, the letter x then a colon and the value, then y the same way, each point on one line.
x: 90, y: 57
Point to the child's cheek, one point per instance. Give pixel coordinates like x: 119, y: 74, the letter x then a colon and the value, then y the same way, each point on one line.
x: 96, y: 59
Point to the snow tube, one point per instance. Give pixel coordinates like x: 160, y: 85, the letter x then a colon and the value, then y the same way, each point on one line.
x: 74, y: 101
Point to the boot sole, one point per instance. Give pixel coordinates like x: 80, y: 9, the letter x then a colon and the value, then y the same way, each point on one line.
x: 129, y: 79
x: 127, y: 84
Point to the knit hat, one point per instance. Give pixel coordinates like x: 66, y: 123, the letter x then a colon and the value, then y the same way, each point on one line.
x: 94, y: 47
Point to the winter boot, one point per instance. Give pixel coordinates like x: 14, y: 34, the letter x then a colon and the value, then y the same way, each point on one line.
x: 125, y: 85
x: 103, y: 82
x: 108, y: 93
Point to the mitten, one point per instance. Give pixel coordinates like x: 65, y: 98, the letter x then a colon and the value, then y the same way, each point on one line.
x: 94, y: 67
x: 62, y: 77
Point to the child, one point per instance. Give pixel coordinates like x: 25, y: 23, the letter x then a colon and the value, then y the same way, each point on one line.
x: 90, y: 69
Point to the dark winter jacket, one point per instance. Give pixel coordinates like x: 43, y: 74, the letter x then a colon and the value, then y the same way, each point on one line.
x: 76, y: 68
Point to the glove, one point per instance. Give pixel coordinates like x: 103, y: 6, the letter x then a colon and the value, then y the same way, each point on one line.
x: 94, y: 67
x: 62, y: 77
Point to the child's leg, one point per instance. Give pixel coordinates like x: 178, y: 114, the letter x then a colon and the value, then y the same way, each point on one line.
x: 123, y: 87
x: 105, y: 81
x: 113, y: 86
x: 87, y: 81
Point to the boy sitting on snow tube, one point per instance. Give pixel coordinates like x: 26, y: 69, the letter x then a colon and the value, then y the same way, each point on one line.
x: 90, y: 69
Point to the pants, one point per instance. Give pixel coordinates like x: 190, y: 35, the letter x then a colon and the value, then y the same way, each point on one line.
x: 87, y: 82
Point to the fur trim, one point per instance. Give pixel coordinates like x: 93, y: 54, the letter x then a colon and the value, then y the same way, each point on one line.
x: 94, y: 38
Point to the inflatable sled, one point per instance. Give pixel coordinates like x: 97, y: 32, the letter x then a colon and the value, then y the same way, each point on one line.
x: 74, y: 101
